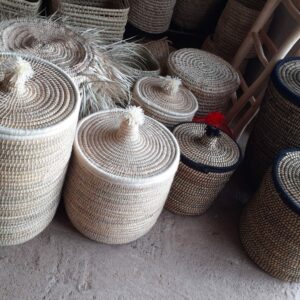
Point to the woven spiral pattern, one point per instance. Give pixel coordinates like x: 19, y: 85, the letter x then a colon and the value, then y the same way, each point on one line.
x: 149, y: 93
x: 36, y: 137
x: 278, y: 123
x: 212, y: 80
x: 270, y: 223
x: 109, y: 16
x: 206, y: 166
x: 152, y: 16
x: 233, y: 26
x: 49, y: 41
x: 19, y: 8
x: 120, y: 177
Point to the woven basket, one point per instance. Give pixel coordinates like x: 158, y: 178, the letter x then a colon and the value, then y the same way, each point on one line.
x: 208, y: 159
x: 212, y: 80
x: 120, y: 176
x: 233, y: 26
x: 192, y: 14
x: 270, y: 223
x: 165, y: 100
x: 152, y: 16
x: 109, y: 16
x: 38, y: 117
x: 19, y: 8
x: 278, y: 123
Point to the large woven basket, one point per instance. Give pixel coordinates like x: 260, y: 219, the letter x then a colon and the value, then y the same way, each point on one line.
x: 208, y: 159
x: 19, y: 8
x: 212, y: 80
x: 233, y: 26
x: 38, y: 117
x: 109, y: 16
x: 278, y: 123
x: 120, y: 176
x: 152, y: 16
x: 270, y: 223
x: 165, y: 100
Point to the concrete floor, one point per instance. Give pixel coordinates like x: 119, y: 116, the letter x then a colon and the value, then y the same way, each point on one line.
x: 181, y: 258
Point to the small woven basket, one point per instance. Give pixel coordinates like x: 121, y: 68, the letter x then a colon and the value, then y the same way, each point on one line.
x: 278, y: 123
x: 208, y: 159
x: 212, y: 80
x: 109, y: 16
x: 165, y: 100
x: 20, y: 8
x: 270, y: 223
x: 152, y: 16
x: 233, y: 26
x: 38, y: 117
x: 120, y: 175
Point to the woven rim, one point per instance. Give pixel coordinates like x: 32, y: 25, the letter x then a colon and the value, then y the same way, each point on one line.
x: 149, y: 93
x: 286, y: 177
x: 47, y: 40
x: 286, y: 79
x: 119, y: 158
x: 200, y: 152
x: 49, y: 101
x: 204, y: 72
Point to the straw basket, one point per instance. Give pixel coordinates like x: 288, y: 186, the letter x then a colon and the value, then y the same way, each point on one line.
x: 120, y: 176
x: 38, y: 117
x: 109, y: 16
x: 233, y: 26
x: 208, y: 159
x: 270, y: 223
x: 212, y: 80
x: 165, y: 100
x: 152, y: 16
x: 278, y: 123
x: 19, y: 8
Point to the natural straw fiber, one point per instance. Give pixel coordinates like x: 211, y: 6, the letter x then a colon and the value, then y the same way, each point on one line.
x: 19, y: 8
x: 101, y: 82
x: 233, y: 26
x: 109, y: 16
x: 120, y: 176
x: 152, y: 16
x: 278, y: 123
x: 38, y: 116
x: 166, y: 100
x: 270, y: 223
x: 208, y: 159
x: 212, y: 80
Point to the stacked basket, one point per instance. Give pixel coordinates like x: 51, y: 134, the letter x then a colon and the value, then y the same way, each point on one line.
x: 278, y: 123
x: 120, y: 176
x: 270, y: 223
x: 212, y: 80
x: 19, y: 8
x: 152, y: 16
x: 208, y: 159
x: 109, y: 16
x: 165, y: 100
x: 38, y: 118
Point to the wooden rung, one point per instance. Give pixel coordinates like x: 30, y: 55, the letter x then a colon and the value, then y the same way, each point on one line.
x: 259, y: 49
x: 244, y: 86
x: 268, y: 42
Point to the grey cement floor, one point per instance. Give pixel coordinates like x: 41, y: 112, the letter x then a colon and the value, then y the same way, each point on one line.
x: 181, y: 258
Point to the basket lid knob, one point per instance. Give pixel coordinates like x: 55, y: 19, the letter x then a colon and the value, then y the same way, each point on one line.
x: 15, y: 78
x: 171, y: 85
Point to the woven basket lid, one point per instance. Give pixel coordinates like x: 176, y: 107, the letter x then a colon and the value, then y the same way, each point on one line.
x: 207, y: 149
x: 286, y: 79
x: 204, y: 72
x: 124, y: 146
x: 47, y: 40
x: 35, y: 95
x: 166, y: 97
x: 286, y: 177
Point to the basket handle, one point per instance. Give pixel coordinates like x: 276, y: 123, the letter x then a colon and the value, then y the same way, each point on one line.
x: 15, y: 78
